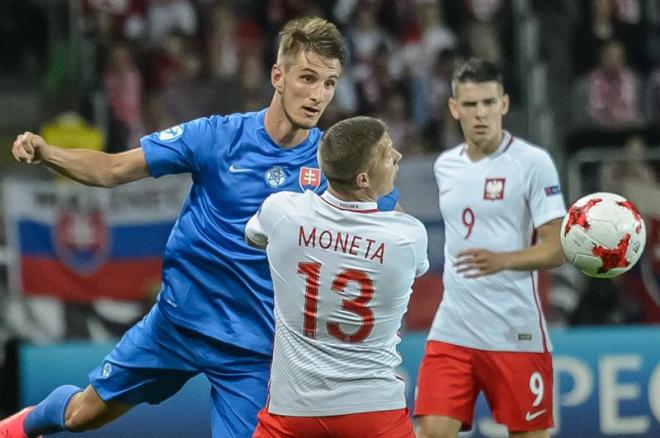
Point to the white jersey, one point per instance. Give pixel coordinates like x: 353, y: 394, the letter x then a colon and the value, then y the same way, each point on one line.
x: 342, y: 275
x: 495, y: 203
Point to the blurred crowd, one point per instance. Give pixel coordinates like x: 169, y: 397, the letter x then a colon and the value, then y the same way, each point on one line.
x: 159, y: 62
x: 145, y: 65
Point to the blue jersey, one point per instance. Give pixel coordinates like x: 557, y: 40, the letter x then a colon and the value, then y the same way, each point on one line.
x: 213, y: 282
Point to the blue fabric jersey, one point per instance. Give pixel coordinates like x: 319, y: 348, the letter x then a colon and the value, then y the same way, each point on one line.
x: 213, y: 282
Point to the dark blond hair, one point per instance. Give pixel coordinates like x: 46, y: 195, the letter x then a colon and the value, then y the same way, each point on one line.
x: 310, y: 34
x: 346, y: 149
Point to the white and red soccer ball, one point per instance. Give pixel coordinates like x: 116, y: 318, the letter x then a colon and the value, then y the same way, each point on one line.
x: 603, y: 235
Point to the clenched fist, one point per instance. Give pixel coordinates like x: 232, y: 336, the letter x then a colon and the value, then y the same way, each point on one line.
x: 28, y: 148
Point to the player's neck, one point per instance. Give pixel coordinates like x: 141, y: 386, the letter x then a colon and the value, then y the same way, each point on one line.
x: 281, y: 131
x: 350, y: 195
x: 476, y: 152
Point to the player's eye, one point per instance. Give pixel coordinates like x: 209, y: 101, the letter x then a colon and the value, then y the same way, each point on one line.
x: 308, y: 78
x: 330, y: 84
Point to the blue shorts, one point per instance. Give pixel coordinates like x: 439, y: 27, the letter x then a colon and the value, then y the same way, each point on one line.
x: 155, y: 358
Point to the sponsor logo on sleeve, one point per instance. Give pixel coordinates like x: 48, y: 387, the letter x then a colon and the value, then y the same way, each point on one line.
x: 171, y: 134
x: 552, y: 190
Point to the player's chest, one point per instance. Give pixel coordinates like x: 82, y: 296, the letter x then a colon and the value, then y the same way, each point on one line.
x: 250, y: 173
x: 489, y: 189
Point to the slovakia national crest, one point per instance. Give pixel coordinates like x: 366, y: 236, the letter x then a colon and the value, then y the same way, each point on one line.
x: 494, y: 189
x: 309, y: 178
x: 81, y: 241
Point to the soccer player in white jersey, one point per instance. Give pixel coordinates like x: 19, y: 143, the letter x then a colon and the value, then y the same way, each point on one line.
x: 502, y: 208
x: 342, y: 275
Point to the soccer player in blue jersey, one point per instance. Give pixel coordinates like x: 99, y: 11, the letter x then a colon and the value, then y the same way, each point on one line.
x: 214, y: 312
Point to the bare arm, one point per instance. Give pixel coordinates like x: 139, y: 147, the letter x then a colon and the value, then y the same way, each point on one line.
x: 545, y: 254
x: 89, y: 167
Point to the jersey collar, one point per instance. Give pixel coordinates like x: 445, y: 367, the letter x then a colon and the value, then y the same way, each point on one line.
x: 504, y: 146
x: 507, y: 139
x: 356, y: 206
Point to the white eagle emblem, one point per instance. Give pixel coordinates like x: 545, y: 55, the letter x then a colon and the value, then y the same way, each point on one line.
x: 494, y: 189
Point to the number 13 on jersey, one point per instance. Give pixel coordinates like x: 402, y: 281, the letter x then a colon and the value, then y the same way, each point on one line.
x: 359, y: 305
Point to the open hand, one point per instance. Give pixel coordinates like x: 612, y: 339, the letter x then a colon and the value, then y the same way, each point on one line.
x: 477, y: 262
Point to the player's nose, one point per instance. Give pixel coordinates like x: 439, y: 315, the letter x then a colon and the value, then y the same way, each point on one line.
x: 318, y: 93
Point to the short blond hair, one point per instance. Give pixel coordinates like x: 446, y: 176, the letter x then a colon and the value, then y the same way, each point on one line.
x: 310, y: 34
x: 347, y: 149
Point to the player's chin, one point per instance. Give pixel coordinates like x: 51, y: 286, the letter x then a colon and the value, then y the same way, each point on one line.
x: 307, y: 122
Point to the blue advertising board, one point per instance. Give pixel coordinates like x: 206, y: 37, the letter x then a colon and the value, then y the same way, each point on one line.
x: 607, y: 384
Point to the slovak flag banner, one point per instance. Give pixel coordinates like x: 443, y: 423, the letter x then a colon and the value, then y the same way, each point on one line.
x: 80, y: 243
x: 309, y: 178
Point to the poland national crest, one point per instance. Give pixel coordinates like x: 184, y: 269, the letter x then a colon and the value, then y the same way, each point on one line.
x: 309, y: 178
x: 494, y: 189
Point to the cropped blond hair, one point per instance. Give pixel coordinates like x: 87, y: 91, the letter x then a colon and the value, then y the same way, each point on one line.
x: 310, y: 34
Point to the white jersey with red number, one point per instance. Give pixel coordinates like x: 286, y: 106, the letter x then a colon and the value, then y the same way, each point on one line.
x: 495, y: 203
x: 342, y: 275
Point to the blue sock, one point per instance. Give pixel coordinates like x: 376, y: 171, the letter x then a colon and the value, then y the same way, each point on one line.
x: 48, y: 416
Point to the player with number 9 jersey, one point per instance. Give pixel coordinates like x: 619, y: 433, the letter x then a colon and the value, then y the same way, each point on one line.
x: 502, y: 207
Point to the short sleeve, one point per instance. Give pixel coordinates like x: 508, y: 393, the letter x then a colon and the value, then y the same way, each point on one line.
x: 261, y: 225
x: 545, y: 198
x: 179, y: 149
x: 388, y: 202
x: 421, y: 251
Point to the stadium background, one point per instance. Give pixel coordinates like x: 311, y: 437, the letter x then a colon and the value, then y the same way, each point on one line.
x: 80, y: 265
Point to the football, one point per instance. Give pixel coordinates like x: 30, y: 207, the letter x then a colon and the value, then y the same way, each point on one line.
x: 603, y: 235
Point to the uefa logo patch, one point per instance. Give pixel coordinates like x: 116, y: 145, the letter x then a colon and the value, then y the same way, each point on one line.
x: 171, y: 134
x: 107, y: 370
x: 275, y: 177
x: 81, y: 241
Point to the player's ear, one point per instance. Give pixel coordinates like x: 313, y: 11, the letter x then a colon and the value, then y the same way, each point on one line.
x: 276, y: 75
x: 453, y: 108
x: 362, y: 180
x: 505, y: 104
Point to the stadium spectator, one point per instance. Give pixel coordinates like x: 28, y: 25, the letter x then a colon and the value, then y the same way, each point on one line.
x: 608, y: 101
x: 426, y: 38
x: 122, y: 87
x: 166, y: 63
x: 653, y: 101
x: 439, y: 127
x: 483, y: 30
x: 489, y: 333
x: 167, y: 16
x: 400, y: 126
x: 602, y: 22
x: 334, y: 374
x: 632, y: 178
x: 214, y: 312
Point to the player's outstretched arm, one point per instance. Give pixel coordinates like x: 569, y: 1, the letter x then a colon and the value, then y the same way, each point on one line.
x: 89, y: 167
x: 545, y: 254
